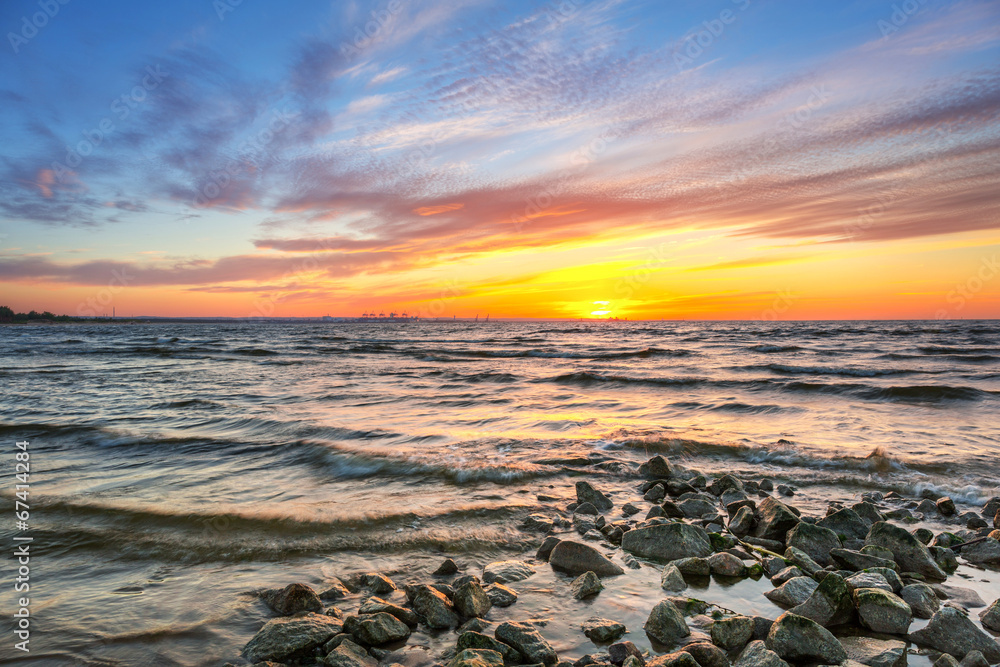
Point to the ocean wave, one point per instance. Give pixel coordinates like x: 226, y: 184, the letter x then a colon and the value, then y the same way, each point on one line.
x: 770, y: 349
x: 787, y: 369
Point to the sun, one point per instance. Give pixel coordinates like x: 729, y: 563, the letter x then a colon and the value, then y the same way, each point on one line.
x: 603, y: 309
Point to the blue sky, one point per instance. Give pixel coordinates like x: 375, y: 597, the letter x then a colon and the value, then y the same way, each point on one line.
x: 238, y: 136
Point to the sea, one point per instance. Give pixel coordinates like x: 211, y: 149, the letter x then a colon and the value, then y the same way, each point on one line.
x: 175, y: 468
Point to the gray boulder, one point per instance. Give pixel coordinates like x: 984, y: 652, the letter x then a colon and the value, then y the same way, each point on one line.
x: 793, y: 592
x: 575, y: 558
x: 477, y: 657
x: 951, y: 631
x: 774, y: 520
x: 815, y: 540
x: 921, y: 598
x: 349, y: 654
x: 732, y: 633
x: 507, y: 571
x: 798, y: 639
x: 707, y: 655
x: 696, y: 566
x: 603, y: 630
x: 667, y: 542
x: 292, y: 599
x: 665, y: 624
x: 757, y: 654
x: 290, y: 637
x: 481, y: 641
x: 858, y: 560
x: 528, y: 642
x: 727, y: 565
x: 657, y: 468
x: 907, y: 551
x: 830, y: 603
x: 471, y: 600
x: 990, y: 617
x: 500, y: 595
x: 586, y: 585
x: 846, y: 523
x: 882, y: 611
x: 875, y: 652
x: 586, y: 493
x: 376, y: 629
x: 974, y: 659
x: 868, y: 580
x: 694, y: 508
x: 987, y: 551
x: 436, y: 609
x: 376, y: 605
x: 802, y: 560
x: 742, y: 522
x: 672, y: 580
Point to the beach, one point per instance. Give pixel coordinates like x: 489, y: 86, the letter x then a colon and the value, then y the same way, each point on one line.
x: 180, y: 470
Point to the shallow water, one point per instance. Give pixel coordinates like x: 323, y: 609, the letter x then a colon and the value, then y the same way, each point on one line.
x: 176, y: 466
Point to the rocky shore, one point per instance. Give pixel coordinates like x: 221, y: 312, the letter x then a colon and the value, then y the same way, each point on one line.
x: 858, y: 586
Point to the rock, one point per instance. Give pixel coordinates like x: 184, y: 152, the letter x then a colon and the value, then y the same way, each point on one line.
x: 987, y: 551
x: 665, y: 624
x: 889, y: 575
x: 830, y: 604
x: 787, y: 574
x: 694, y: 565
x: 657, y: 468
x: 434, y: 607
x: 602, y: 630
x: 621, y: 650
x: 378, y: 583
x: 336, y: 591
x: 946, y: 506
x: 756, y: 654
x: 726, y: 565
x: 816, y: 541
x: 951, y: 631
x: 694, y: 508
x: 945, y: 558
x: 676, y: 659
x: 655, y: 494
x: 793, y: 592
x: 574, y: 557
x: 882, y: 611
x: 449, y: 566
x: 528, y: 642
x: 586, y: 585
x: 857, y: 560
x: 845, y: 523
x: 507, y: 571
x: 868, y: 580
x: 868, y: 512
x: 628, y: 509
x: 376, y: 629
x: 878, y: 552
x: 292, y: 599
x: 732, y: 633
x: 481, y: 641
x: 376, y: 605
x: 964, y: 597
x: 875, y: 652
x: 291, y: 637
x: 587, y: 508
x: 799, y: 639
x: 707, y: 654
x: 500, y: 595
x: 946, y: 661
x: 477, y: 657
x: 585, y: 493
x: 921, y: 598
x: 742, y: 522
x: 907, y: 551
x: 538, y: 523
x: 349, y: 654
x: 671, y: 579
x: 990, y: 617
x: 545, y: 550
x: 471, y: 600
x: 974, y: 659
x: 722, y: 484
x: 802, y: 560
x: 667, y: 542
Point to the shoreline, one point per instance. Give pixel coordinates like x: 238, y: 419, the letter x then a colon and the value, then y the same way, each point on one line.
x: 885, y: 592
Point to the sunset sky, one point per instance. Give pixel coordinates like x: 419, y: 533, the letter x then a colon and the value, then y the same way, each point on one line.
x: 739, y: 159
